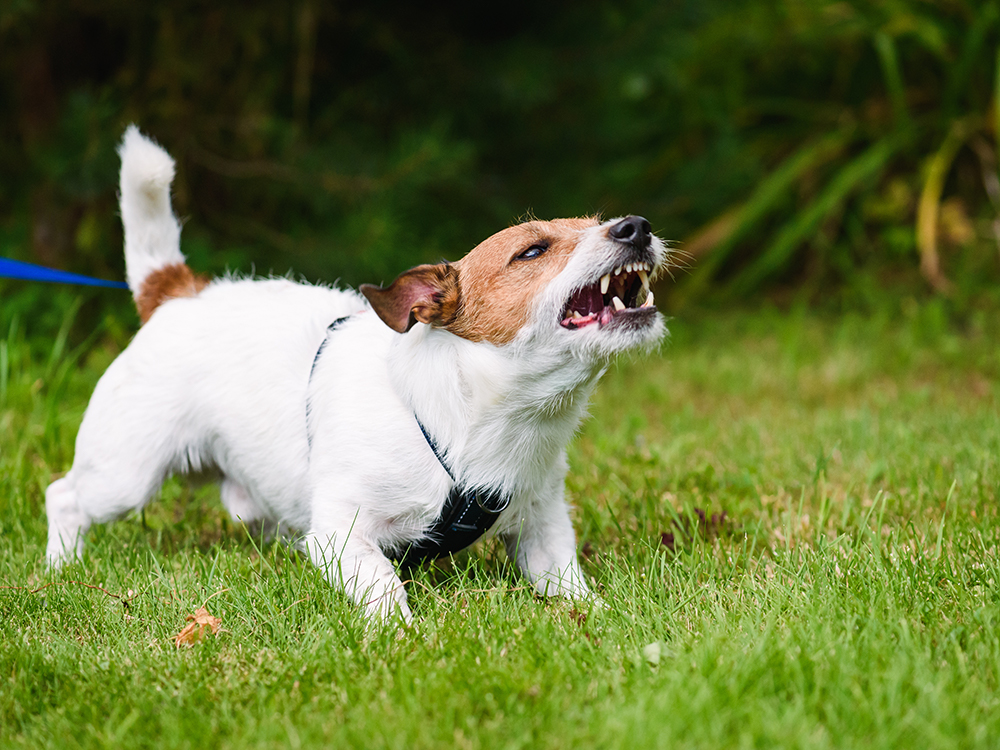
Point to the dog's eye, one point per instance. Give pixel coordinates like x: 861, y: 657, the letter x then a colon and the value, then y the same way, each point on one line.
x: 534, y: 251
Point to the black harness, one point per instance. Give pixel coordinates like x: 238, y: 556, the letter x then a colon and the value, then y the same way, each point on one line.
x: 467, y: 514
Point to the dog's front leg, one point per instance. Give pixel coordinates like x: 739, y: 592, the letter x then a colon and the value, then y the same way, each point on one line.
x: 359, y: 568
x: 544, y: 547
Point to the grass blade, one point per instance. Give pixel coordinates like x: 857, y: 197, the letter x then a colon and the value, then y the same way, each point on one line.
x: 930, y: 201
x: 886, y: 49
x: 862, y: 168
x: 959, y: 74
x: 4, y: 372
x: 722, y: 234
x: 59, y: 346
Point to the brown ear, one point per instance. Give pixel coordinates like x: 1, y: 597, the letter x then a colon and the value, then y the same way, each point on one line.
x: 428, y: 294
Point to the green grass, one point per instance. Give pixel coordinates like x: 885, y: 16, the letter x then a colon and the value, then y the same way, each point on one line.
x: 847, y: 598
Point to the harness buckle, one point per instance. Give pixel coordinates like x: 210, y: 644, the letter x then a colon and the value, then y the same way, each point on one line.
x: 495, y: 511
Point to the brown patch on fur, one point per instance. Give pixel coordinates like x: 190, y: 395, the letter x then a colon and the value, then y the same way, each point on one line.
x: 497, y: 291
x: 488, y: 295
x: 169, y: 282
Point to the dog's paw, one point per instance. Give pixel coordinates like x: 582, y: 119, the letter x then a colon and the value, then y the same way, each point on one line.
x: 595, y: 601
x: 54, y: 559
x: 570, y: 585
x: 388, y: 611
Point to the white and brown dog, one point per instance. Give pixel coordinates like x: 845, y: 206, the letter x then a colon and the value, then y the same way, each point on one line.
x: 460, y: 380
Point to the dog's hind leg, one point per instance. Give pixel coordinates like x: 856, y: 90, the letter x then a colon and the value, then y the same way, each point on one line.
x: 97, y: 493
x: 120, y: 461
x: 238, y: 502
x: 67, y: 522
x: 243, y: 509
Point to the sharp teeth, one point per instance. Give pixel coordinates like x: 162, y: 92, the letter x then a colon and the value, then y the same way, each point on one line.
x: 619, y: 305
x: 605, y: 283
x: 649, y: 301
x: 618, y: 271
x: 576, y: 314
x: 644, y: 278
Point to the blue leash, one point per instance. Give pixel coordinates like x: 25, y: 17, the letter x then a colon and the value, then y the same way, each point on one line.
x: 15, y: 269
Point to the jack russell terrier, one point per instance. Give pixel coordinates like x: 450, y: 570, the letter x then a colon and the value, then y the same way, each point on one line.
x: 399, y: 425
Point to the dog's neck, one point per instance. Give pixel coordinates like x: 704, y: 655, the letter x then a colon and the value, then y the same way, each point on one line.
x: 501, y: 415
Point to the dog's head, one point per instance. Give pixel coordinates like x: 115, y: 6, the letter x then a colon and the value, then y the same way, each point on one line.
x: 578, y: 282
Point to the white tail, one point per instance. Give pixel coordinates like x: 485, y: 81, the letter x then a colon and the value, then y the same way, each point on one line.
x: 152, y: 234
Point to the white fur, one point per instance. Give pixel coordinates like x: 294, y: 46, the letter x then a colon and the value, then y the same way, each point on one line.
x: 152, y: 234
x: 223, y: 379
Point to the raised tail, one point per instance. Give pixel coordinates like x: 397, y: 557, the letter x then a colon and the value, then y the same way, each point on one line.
x: 154, y: 266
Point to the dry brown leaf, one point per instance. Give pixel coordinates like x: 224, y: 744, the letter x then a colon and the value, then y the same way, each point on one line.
x: 198, y: 623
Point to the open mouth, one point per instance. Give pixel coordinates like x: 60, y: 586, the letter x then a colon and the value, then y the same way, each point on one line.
x: 621, y: 293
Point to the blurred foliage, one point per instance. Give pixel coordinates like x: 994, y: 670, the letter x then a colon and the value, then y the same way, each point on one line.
x: 795, y: 145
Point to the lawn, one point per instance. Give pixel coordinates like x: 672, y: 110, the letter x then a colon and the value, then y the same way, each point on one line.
x: 791, y: 518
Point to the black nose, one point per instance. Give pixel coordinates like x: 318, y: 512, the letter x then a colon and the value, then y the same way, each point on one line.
x: 632, y: 229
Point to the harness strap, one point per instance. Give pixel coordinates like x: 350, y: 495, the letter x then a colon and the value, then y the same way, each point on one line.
x: 322, y: 344
x: 319, y: 351
x: 467, y: 514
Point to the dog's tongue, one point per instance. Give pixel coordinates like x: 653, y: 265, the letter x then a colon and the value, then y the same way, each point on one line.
x: 588, y: 300
x: 586, y: 307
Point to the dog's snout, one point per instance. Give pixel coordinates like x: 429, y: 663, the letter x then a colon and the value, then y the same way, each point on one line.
x: 633, y: 230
